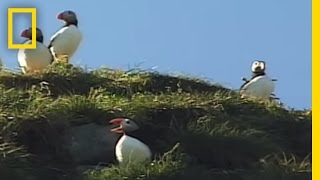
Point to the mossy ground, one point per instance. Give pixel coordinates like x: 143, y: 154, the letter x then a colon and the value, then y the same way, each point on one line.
x: 220, y: 135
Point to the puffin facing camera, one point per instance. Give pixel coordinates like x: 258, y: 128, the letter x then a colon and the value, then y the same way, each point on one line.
x: 260, y: 85
x: 258, y: 66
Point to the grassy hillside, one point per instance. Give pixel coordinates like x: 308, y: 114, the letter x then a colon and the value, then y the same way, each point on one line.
x: 197, y: 130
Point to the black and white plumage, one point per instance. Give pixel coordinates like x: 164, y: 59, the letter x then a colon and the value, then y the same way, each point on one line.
x: 260, y: 85
x: 129, y: 149
x: 67, y: 39
x: 31, y: 60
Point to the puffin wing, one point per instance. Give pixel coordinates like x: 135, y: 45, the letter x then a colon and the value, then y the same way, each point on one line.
x: 56, y: 35
x: 53, y: 39
x: 65, y: 41
x: 245, y: 83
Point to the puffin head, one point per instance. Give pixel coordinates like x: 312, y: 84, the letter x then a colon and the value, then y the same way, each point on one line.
x: 27, y: 33
x: 258, y: 67
x: 69, y: 17
x: 124, y: 125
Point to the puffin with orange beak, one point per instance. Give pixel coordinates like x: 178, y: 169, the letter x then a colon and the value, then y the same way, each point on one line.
x: 31, y: 60
x: 129, y: 149
x: 67, y: 39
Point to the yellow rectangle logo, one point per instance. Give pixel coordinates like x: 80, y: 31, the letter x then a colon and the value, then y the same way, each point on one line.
x: 33, y: 12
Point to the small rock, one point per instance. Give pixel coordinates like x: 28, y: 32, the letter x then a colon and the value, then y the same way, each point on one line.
x: 91, y: 144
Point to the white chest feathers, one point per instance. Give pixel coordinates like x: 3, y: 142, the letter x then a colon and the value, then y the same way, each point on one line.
x: 131, y: 150
x: 66, y: 41
x: 34, y: 59
x: 260, y: 87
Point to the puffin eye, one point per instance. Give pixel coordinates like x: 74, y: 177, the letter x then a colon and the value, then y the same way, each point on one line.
x: 127, y: 121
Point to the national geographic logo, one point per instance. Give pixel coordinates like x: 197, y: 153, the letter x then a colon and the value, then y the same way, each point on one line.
x: 33, y: 12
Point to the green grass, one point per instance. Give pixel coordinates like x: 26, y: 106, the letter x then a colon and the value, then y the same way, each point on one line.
x: 220, y: 135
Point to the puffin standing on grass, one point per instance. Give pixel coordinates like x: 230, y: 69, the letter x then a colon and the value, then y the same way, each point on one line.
x: 67, y: 39
x: 31, y: 60
x: 260, y: 85
x: 129, y: 149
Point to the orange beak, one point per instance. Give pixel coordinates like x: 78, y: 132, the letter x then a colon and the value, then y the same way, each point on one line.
x: 117, y: 129
x: 24, y: 33
x: 60, y: 16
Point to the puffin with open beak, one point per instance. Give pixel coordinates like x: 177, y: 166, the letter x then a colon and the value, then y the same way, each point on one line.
x: 129, y: 149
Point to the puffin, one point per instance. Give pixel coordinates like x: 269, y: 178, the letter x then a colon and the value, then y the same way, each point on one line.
x: 260, y: 85
x: 32, y: 60
x: 67, y: 39
x: 129, y: 150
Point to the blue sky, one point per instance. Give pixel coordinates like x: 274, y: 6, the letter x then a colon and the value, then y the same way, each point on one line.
x: 214, y: 39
